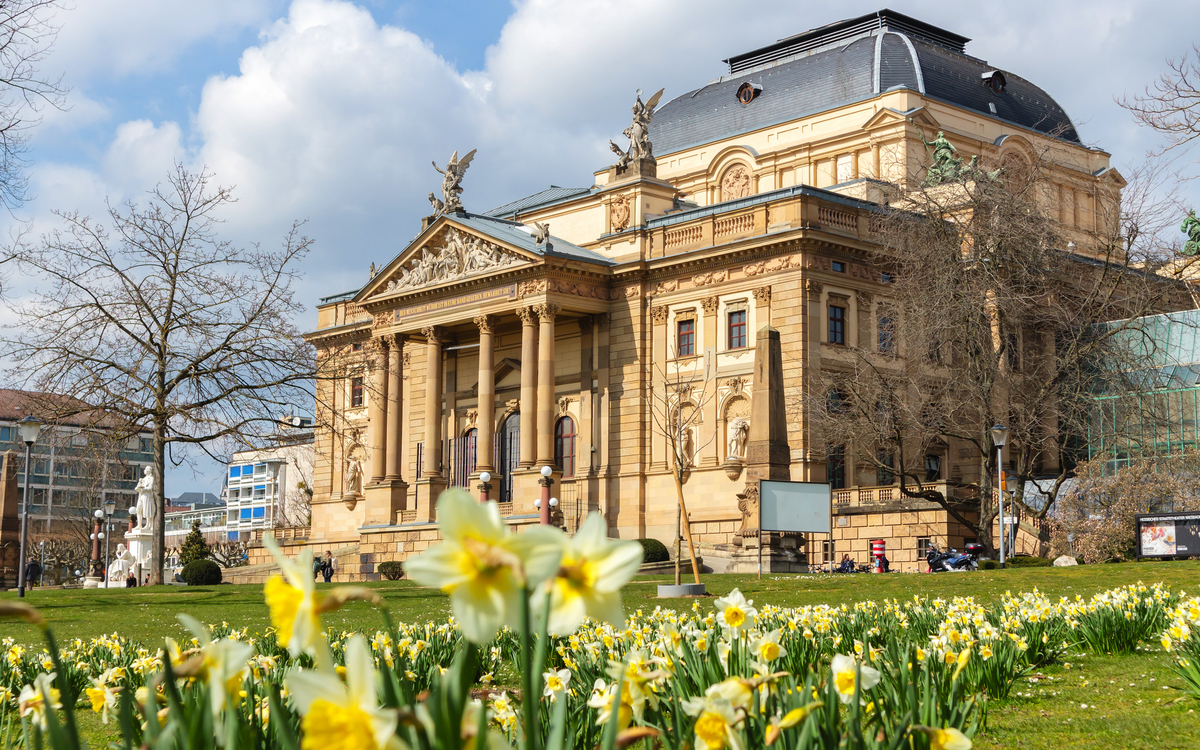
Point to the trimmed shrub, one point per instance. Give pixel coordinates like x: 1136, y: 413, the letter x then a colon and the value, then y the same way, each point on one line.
x: 654, y: 551
x: 1028, y: 561
x: 201, y: 573
x: 391, y: 570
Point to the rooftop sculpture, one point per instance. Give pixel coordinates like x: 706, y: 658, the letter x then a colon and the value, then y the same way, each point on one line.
x: 1191, y: 227
x: 638, y: 132
x: 451, y: 184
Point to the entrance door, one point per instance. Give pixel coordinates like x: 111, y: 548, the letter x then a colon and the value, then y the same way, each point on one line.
x: 509, y: 454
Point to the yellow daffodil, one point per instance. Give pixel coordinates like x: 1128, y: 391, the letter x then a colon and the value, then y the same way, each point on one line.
x: 735, y: 613
x: 767, y: 647
x: 222, y: 665
x: 556, y: 683
x: 716, y: 722
x: 343, y: 716
x: 945, y: 739
x: 482, y: 565
x: 845, y: 674
x: 789, y: 720
x: 32, y: 700
x: 103, y: 697
x: 591, y: 573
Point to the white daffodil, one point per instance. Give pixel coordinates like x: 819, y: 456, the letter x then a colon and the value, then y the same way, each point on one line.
x: 32, y: 700
x: 103, y: 697
x: 223, y: 665
x: 339, y: 715
x: 556, y: 683
x: 845, y: 674
x: 767, y: 647
x: 734, y: 613
x: 945, y: 739
x: 590, y: 576
x: 482, y: 565
x: 716, y: 723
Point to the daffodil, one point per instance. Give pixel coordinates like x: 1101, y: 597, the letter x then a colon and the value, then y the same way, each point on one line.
x: 846, y: 673
x: 789, y: 720
x: 591, y: 573
x: 482, y: 565
x: 222, y: 665
x: 343, y: 716
x: 735, y: 613
x: 945, y: 739
x: 716, y: 723
x: 33, y: 698
x: 103, y: 697
x: 556, y: 683
x: 767, y: 647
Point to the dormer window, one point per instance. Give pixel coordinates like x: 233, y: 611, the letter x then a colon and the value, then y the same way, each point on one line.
x: 747, y: 92
x: 994, y: 80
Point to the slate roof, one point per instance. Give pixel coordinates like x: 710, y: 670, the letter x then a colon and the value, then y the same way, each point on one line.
x: 860, y: 59
x: 552, y: 194
x: 515, y: 233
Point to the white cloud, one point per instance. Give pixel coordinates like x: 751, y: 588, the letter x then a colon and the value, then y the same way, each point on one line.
x: 142, y: 154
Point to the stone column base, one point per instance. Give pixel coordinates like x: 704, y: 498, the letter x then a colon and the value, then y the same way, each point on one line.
x: 774, y: 560
x: 384, y: 500
x: 428, y: 491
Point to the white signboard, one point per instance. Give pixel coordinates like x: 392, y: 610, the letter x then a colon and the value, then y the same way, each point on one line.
x: 796, y: 506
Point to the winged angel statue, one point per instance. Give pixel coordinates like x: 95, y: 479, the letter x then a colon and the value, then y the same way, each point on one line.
x: 638, y: 131
x: 451, y: 184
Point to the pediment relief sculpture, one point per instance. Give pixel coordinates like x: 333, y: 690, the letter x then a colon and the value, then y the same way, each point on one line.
x: 452, y: 255
x: 736, y: 183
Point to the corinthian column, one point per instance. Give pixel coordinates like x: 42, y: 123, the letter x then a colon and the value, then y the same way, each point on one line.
x: 377, y: 413
x: 395, y: 400
x: 432, y: 460
x: 487, y: 392
x: 545, y: 389
x: 529, y: 374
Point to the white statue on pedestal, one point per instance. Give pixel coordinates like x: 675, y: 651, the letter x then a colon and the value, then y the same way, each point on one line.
x: 145, y: 498
x: 122, y: 563
x: 739, y: 431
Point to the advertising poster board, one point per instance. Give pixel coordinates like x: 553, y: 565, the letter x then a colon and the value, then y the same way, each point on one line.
x: 804, y: 507
x: 1168, y: 534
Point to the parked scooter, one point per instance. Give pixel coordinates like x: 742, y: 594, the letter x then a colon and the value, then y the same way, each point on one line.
x: 952, y: 561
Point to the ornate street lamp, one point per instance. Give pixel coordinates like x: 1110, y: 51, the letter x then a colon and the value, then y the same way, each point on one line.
x: 484, y: 486
x: 110, y: 507
x: 999, y: 438
x: 97, y: 535
x: 29, y: 428
x: 544, y: 503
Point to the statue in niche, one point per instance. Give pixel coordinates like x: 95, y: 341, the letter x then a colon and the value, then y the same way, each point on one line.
x: 685, y: 447
x: 739, y: 433
x: 145, y: 507
x: 354, y: 476
x: 452, y: 178
x: 638, y: 131
x: 1191, y: 227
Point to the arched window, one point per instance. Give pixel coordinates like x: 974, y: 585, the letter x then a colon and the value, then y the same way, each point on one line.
x: 564, y: 445
x: 466, y: 457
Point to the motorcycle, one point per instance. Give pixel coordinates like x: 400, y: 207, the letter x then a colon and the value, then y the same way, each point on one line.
x: 952, y: 561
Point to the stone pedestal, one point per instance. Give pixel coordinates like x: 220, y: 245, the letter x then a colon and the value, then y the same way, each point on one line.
x: 782, y: 554
x: 384, y: 501
x: 140, y: 543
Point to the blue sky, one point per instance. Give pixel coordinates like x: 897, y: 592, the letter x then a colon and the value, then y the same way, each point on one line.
x: 330, y: 111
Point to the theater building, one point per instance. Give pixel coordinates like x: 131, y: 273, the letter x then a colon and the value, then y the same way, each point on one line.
x: 539, y: 333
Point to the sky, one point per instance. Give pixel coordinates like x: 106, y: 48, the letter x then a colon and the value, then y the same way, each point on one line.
x: 331, y: 111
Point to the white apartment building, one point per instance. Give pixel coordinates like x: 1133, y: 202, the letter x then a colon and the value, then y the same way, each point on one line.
x: 270, y: 487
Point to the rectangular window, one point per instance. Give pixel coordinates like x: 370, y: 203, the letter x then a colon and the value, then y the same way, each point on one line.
x: 260, y: 512
x: 235, y: 472
x: 887, y: 341
x: 837, y: 325
x: 356, y: 392
x: 922, y: 546
x: 260, y: 470
x: 845, y: 169
x: 933, y: 468
x: 883, y: 473
x: 356, y: 347
x: 146, y: 445
x: 260, y: 491
x: 686, y: 339
x: 79, y: 440
x: 7, y: 434
x: 737, y: 329
x: 245, y: 513
x: 837, y: 467
x: 839, y: 266
x: 41, y: 467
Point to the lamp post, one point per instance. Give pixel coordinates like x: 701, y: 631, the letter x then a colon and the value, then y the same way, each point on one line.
x: 29, y: 427
x: 484, y: 486
x: 544, y: 503
x: 999, y: 437
x: 110, y: 507
x: 97, y: 535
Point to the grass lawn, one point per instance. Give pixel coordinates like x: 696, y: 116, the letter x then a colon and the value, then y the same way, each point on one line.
x: 1131, y: 701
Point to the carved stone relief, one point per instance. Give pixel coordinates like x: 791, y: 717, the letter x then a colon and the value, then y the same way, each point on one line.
x: 452, y: 255
x: 712, y: 277
x: 618, y: 213
x: 666, y: 286
x: 709, y: 304
x: 564, y: 404
x: 658, y: 314
x: 763, y: 295
x: 736, y: 183
x: 561, y: 286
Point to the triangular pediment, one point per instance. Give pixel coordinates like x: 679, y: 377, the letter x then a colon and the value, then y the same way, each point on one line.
x: 444, y: 253
x: 888, y: 116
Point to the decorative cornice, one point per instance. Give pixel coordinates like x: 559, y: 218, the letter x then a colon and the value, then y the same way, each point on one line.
x: 712, y: 277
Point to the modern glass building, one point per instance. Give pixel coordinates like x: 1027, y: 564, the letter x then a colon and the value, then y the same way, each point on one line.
x: 1161, y: 415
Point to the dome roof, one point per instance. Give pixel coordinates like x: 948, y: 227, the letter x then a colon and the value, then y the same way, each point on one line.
x: 847, y: 62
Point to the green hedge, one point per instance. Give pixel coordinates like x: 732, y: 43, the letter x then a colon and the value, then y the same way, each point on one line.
x: 1021, y: 561
x: 391, y: 570
x: 654, y: 551
x: 201, y: 573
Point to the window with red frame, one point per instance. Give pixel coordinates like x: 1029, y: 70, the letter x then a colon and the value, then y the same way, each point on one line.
x: 686, y: 340
x: 737, y: 329
x: 564, y: 445
x: 356, y: 392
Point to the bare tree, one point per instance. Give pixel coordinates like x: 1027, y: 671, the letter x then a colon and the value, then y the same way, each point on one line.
x: 157, y: 319
x: 1171, y: 106
x: 994, y: 315
x: 676, y: 413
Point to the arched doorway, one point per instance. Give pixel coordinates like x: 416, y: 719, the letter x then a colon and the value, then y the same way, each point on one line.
x: 509, y: 454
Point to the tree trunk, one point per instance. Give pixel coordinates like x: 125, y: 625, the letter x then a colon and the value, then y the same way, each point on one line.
x: 158, y: 527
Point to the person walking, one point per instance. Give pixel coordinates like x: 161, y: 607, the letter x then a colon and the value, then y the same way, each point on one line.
x: 33, y: 571
x: 330, y: 566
